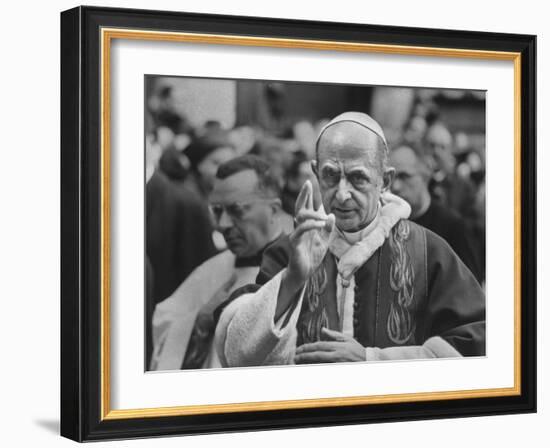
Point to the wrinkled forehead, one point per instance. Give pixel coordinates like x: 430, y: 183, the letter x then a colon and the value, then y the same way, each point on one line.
x: 349, y: 143
x: 238, y: 187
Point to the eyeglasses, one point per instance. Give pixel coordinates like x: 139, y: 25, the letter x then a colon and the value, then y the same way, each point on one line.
x: 236, y: 211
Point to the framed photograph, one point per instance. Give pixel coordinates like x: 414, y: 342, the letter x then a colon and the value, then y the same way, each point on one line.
x: 276, y: 224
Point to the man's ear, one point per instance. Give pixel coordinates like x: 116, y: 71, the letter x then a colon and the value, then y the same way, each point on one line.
x: 387, y: 178
x: 314, y: 168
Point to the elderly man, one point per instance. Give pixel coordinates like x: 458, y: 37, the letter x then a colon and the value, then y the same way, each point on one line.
x: 361, y: 283
x: 246, y: 207
x: 411, y: 181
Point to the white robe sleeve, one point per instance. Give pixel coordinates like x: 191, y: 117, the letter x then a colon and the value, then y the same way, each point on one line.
x: 174, y: 317
x: 435, y: 347
x: 247, y: 334
x: 163, y: 319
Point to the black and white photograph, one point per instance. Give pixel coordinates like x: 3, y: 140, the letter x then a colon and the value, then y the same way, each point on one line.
x: 294, y: 223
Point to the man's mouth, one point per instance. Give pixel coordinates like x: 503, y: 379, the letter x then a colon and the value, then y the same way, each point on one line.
x: 344, y: 212
x: 232, y: 240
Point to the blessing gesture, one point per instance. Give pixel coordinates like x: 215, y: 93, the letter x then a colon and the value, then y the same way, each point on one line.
x: 309, y: 243
x: 310, y: 239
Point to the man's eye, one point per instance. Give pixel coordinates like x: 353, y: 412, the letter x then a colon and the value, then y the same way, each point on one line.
x: 331, y: 176
x: 358, y: 179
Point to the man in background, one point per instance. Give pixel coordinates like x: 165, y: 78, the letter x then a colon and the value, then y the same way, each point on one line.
x: 411, y: 181
x: 206, y: 153
x: 246, y: 208
x: 446, y: 186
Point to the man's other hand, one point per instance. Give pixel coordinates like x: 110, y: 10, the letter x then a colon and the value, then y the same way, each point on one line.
x: 338, y: 348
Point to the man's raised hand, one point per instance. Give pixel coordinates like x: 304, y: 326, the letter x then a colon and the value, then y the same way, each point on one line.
x: 310, y: 239
x: 308, y: 245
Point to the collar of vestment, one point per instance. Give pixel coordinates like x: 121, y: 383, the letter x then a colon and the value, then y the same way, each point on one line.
x: 352, y: 250
x: 252, y: 260
x: 342, y: 241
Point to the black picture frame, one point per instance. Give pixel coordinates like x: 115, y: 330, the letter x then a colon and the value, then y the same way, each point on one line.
x: 81, y: 225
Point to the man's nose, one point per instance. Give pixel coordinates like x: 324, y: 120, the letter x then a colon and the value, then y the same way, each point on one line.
x: 344, y: 190
x: 225, y: 221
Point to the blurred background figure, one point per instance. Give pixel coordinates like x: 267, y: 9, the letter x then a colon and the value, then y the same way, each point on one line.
x: 165, y: 115
x: 415, y: 130
x: 178, y: 224
x: 175, y: 164
x: 447, y: 187
x: 298, y: 172
x: 246, y: 207
x: 277, y: 152
x: 178, y: 237
x: 276, y: 120
x: 243, y: 139
x: 211, y: 148
x: 411, y: 183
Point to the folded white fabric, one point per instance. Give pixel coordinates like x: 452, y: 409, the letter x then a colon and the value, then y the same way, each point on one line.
x: 352, y: 255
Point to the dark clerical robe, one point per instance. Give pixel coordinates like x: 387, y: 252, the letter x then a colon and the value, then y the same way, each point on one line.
x: 178, y: 234
x: 446, y: 223
x: 413, y: 298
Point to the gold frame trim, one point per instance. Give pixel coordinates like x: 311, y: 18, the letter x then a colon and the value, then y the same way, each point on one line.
x: 107, y: 35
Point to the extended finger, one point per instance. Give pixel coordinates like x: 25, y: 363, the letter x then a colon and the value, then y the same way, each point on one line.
x: 306, y: 214
x: 307, y: 226
x: 309, y: 204
x: 302, y: 198
x: 315, y: 194
x: 315, y: 357
x: 319, y: 346
x: 334, y: 335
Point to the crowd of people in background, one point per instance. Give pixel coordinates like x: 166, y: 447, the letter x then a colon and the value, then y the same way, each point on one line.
x: 438, y: 173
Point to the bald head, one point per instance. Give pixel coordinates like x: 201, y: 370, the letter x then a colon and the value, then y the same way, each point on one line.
x: 356, y: 140
x: 403, y: 156
x: 405, y: 160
